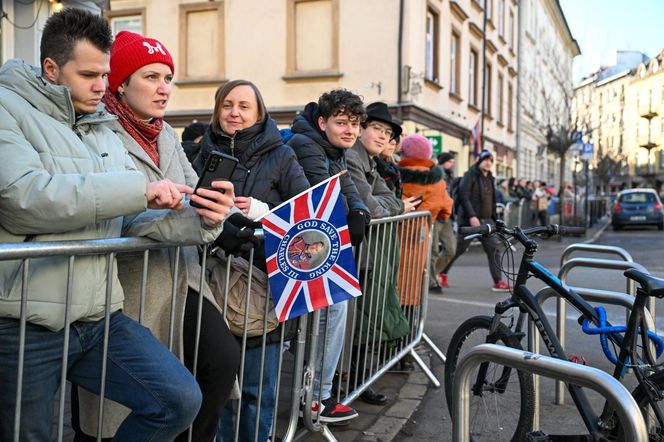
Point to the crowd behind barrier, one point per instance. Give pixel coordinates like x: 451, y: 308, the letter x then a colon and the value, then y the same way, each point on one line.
x: 384, y: 325
x: 523, y: 213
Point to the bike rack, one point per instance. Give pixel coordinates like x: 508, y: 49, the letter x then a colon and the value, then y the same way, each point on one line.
x: 600, y: 249
x: 591, y: 295
x: 595, y: 248
x: 615, y: 393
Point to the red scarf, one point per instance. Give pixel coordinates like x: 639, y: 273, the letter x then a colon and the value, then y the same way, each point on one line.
x: 146, y: 134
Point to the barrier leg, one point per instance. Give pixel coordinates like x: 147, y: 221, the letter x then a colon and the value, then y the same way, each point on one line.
x: 433, y: 347
x: 425, y: 369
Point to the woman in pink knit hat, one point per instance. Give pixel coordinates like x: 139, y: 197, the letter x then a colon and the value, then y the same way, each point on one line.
x: 421, y: 177
x: 139, y: 87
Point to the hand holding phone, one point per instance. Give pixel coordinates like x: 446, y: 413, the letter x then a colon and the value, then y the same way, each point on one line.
x: 218, y: 167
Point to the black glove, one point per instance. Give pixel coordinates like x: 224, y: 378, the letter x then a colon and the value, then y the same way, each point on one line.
x: 358, y: 220
x: 238, y: 238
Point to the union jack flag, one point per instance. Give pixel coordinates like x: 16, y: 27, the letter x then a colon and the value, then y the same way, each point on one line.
x: 309, y: 256
x: 476, y: 138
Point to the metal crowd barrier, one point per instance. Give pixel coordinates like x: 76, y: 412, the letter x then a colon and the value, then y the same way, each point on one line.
x: 393, y: 267
x: 616, y: 394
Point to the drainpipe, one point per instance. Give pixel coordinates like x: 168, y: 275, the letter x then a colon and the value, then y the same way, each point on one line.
x: 400, y: 62
x: 520, y: 154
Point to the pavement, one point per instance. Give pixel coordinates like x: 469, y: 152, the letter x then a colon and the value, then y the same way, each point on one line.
x: 406, y: 390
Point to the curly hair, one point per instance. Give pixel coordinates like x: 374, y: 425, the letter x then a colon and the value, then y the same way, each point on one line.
x: 64, y: 29
x: 341, y: 102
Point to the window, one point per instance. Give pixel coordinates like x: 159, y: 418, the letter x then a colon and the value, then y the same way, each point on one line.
x: 307, y: 56
x: 472, y: 78
x: 501, y: 18
x: 455, y: 59
x: 489, y: 9
x: 510, y: 106
x: 431, y: 44
x: 201, y: 22
x: 488, y: 89
x: 501, y: 97
x: 126, y: 20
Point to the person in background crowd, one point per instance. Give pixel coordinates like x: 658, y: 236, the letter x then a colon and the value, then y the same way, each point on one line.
x: 477, y: 206
x: 503, y: 194
x: 321, y: 135
x: 386, y: 166
x: 379, y: 298
x: 191, y: 138
x: 267, y: 174
x: 521, y: 189
x: 422, y: 178
x: 541, y: 199
x: 443, y: 248
x: 65, y: 176
x: 140, y: 85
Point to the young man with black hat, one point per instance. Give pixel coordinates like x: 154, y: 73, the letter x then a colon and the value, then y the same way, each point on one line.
x: 375, y: 134
x: 477, y: 206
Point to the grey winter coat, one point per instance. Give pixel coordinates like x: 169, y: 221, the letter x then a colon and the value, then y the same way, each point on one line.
x: 382, y: 201
x: 173, y: 164
x: 66, y: 178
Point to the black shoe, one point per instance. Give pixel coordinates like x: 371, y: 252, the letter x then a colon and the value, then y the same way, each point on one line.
x: 370, y: 396
x: 438, y: 290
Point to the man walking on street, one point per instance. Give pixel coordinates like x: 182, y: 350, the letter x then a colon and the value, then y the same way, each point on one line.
x: 477, y: 206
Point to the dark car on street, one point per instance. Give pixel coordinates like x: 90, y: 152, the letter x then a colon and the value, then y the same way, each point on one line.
x: 637, y: 207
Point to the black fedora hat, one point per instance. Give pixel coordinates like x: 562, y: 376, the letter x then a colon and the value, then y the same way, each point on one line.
x: 379, y: 111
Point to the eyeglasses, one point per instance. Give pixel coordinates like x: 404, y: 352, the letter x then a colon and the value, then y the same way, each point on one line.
x: 381, y: 130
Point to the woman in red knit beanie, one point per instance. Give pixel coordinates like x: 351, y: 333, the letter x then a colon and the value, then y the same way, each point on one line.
x: 140, y: 84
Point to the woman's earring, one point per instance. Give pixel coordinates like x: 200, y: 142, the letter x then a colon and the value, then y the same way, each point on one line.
x: 120, y: 94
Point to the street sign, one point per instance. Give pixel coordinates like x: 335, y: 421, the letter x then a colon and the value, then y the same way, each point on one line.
x: 437, y: 143
x: 587, y: 151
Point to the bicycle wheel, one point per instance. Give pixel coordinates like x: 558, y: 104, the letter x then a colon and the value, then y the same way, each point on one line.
x: 655, y: 431
x: 503, y: 409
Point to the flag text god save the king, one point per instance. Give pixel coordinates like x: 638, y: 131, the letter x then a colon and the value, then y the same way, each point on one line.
x: 309, y: 257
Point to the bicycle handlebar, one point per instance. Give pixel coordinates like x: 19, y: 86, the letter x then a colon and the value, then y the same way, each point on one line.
x: 551, y: 229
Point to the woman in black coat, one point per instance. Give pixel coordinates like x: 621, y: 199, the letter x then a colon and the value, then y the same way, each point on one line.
x: 266, y: 175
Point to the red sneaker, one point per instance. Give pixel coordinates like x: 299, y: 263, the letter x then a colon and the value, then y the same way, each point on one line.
x: 501, y: 286
x: 443, y: 280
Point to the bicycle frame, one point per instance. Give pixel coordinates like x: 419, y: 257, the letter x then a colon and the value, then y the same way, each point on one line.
x: 527, y: 303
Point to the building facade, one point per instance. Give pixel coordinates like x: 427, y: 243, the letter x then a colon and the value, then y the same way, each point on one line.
x: 621, y: 111
x: 422, y: 57
x: 546, y: 50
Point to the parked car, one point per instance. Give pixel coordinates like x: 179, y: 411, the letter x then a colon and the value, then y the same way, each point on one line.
x: 637, y: 207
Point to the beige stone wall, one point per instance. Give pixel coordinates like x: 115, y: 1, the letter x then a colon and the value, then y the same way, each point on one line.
x: 355, y: 46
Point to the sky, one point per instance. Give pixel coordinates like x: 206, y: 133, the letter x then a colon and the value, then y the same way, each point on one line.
x: 602, y: 27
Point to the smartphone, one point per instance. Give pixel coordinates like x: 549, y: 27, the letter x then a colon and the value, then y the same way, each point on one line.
x: 218, y: 166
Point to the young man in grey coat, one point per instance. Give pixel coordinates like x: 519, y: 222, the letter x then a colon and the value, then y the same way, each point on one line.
x: 65, y: 176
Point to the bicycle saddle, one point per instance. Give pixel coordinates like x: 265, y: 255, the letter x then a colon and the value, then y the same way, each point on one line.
x: 653, y: 286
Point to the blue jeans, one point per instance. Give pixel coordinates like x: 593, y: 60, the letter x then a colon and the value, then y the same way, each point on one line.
x: 250, y: 384
x: 141, y: 374
x: 332, y: 347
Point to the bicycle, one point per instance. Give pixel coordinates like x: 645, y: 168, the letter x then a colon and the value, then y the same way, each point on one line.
x: 502, y: 398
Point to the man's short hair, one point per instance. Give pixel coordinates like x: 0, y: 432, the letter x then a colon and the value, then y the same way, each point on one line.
x: 341, y: 102
x: 66, y: 28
